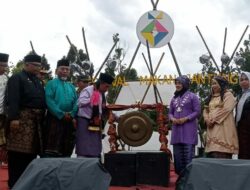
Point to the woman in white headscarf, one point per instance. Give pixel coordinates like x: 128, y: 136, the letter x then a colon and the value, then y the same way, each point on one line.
x: 243, y: 117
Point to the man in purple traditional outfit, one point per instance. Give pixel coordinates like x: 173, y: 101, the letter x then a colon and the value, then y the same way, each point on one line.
x: 184, y: 112
x: 91, y: 105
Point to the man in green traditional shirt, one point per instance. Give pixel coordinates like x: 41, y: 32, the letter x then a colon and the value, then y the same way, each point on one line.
x: 61, y: 100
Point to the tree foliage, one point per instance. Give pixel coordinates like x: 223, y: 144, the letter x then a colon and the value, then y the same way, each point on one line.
x: 16, y: 68
x: 79, y: 63
x: 245, y: 54
x: 116, y: 68
x: 45, y: 64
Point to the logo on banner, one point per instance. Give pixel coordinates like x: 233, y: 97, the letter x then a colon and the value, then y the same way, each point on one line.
x: 156, y: 27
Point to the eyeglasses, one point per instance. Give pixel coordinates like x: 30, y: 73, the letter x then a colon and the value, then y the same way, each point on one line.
x: 3, y: 65
x: 35, y: 64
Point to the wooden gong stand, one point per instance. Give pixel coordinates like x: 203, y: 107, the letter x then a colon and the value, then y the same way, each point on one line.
x: 161, y: 120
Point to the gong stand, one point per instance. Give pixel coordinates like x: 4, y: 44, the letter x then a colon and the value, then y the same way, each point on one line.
x: 161, y: 120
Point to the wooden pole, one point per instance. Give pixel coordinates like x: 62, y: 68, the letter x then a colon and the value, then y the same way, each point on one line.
x: 151, y: 71
x: 32, y: 47
x: 146, y: 63
x: 224, y: 43
x: 212, y: 57
x: 133, y: 58
x: 232, y: 56
x: 105, y: 60
x: 156, y: 69
x: 154, y: 4
x: 224, y: 46
x: 74, y: 48
x: 127, y: 71
x: 174, y: 58
x: 162, y: 55
x: 85, y: 43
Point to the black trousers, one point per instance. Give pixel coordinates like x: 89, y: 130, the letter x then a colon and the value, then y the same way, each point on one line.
x: 17, y: 163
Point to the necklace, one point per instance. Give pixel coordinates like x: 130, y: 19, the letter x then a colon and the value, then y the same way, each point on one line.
x: 180, y: 103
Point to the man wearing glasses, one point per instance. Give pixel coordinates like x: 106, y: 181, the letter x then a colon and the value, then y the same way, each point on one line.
x: 25, y: 110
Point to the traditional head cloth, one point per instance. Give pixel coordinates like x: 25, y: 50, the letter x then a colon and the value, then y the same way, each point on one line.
x: 32, y: 58
x: 83, y: 78
x: 245, y: 95
x: 184, y: 80
x: 222, y: 82
x: 63, y: 62
x: 106, y: 78
x: 4, y: 57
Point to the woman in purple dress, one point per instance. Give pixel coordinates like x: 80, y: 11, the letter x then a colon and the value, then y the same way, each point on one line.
x: 183, y: 113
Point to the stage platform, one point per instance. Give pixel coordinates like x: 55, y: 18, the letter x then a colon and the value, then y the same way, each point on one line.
x: 173, y: 177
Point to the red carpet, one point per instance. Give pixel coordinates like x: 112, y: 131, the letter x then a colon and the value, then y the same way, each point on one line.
x: 173, y: 177
x: 3, y: 178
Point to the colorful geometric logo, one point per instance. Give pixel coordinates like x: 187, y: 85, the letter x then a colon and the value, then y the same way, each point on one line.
x: 155, y: 27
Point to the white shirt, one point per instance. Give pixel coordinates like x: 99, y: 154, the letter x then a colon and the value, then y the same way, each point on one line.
x: 3, y: 84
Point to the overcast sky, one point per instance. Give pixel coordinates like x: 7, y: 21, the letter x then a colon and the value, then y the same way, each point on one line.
x: 46, y: 22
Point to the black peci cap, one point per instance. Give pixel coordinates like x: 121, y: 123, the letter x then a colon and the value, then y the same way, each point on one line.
x: 63, y: 62
x: 32, y: 58
x: 106, y: 78
x: 4, y: 57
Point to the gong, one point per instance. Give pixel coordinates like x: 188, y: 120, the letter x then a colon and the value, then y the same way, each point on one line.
x: 135, y: 128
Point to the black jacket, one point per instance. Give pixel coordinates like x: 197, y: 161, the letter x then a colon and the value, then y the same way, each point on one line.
x: 24, y: 90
